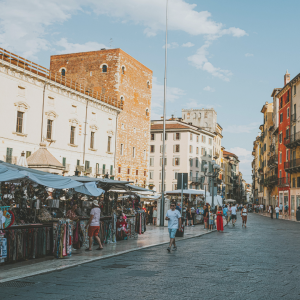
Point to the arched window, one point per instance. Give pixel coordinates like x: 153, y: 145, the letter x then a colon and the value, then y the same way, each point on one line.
x: 147, y: 112
x: 104, y: 69
x: 148, y: 84
x: 123, y: 70
x: 122, y: 99
x: 63, y: 72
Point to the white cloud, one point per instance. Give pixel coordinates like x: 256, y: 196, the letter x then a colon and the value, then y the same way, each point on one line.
x: 249, y: 54
x: 188, y: 45
x: 208, y: 89
x: 192, y: 103
x: 171, y: 46
x: 244, y: 155
x: 173, y: 94
x: 200, y: 61
x: 24, y: 24
x: 242, y: 128
x: 74, y: 48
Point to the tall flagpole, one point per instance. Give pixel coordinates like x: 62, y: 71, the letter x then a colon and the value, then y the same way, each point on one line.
x: 162, y: 204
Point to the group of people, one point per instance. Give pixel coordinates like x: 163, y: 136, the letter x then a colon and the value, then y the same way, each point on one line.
x: 279, y: 209
x: 173, y: 217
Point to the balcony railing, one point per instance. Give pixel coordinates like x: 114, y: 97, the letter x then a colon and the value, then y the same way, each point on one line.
x: 283, y: 181
x: 293, y: 140
x: 293, y: 117
x: 271, y: 181
x: 273, y: 160
x: 195, y: 179
x: 292, y: 166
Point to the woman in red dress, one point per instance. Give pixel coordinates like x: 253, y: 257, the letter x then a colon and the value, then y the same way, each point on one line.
x: 220, y: 219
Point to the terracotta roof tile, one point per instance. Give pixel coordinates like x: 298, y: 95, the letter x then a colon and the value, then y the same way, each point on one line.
x: 43, y: 157
x: 170, y: 126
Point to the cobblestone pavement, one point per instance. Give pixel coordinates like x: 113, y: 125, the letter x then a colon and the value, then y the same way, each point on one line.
x: 260, y: 262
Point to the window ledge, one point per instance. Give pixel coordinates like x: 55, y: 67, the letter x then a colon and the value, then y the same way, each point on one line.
x: 73, y: 145
x: 20, y: 133
x: 92, y: 149
x: 109, y: 152
x: 50, y: 140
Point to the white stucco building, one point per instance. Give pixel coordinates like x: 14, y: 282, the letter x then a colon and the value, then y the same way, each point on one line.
x: 188, y: 149
x: 79, y: 130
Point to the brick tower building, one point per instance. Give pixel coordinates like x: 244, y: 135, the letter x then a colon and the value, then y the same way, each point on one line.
x: 113, y: 73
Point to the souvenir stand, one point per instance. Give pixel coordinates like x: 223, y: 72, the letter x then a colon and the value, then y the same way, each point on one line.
x: 191, y: 199
x: 32, y: 213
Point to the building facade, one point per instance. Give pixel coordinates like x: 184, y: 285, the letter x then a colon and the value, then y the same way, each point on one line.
x: 115, y: 74
x: 78, y: 130
x: 188, y: 149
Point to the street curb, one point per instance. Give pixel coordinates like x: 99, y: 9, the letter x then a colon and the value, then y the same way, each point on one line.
x: 96, y: 258
x: 278, y: 218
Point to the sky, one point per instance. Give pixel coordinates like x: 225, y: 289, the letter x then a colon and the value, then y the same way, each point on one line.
x: 228, y: 55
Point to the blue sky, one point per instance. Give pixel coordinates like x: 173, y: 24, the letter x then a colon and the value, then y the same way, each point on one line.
x: 223, y: 54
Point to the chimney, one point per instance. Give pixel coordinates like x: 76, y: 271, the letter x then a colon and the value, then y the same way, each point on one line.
x: 287, y: 77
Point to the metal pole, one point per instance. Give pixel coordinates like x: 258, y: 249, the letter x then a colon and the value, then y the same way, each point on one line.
x: 162, y: 205
x: 181, y: 195
x: 212, y: 191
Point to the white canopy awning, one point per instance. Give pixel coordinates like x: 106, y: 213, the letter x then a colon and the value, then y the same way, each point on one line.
x: 186, y: 192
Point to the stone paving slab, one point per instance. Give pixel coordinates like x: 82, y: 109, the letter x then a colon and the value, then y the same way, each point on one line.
x: 153, y: 236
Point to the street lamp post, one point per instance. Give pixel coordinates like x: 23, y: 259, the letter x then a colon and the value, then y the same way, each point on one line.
x: 213, y: 175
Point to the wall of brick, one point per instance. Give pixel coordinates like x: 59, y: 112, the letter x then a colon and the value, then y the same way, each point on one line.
x: 134, y: 121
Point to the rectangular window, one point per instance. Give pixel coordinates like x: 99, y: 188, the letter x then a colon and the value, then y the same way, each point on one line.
x: 191, y: 162
x: 203, y: 139
x: 191, y: 136
x: 92, y: 140
x: 151, y: 161
x: 197, y: 150
x: 210, y: 141
x: 49, y: 129
x: 136, y: 172
x: 197, y: 138
x: 293, y: 182
x: 294, y: 89
x: 197, y: 162
x: 280, y: 137
x: 133, y: 152
x: 287, y: 132
x: 20, y: 116
x: 78, y: 162
x: 287, y: 155
x: 152, y: 136
x: 111, y: 169
x: 176, y: 161
x: 281, y: 118
x: 72, y: 135
x: 64, y: 161
x: 280, y: 158
x: 176, y: 148
x: 145, y: 173
x: 288, y: 112
x: 87, y: 165
x: 122, y: 149
x: 191, y: 149
x: 161, y: 161
x: 177, y: 136
x: 175, y: 175
x: 128, y: 171
x: 152, y: 148
x: 108, y: 143
x: 119, y: 169
x: 9, y: 152
x: 28, y: 153
x: 150, y: 174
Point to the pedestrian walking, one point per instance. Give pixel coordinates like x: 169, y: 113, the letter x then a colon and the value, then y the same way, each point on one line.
x: 94, y: 226
x: 225, y: 210
x: 189, y: 217
x: 280, y: 208
x: 277, y: 210
x: 174, y: 219
x: 271, y: 211
x: 229, y: 214
x: 244, y: 215
x: 154, y: 216
x: 286, y: 210
x: 211, y: 220
x: 220, y: 226
x: 205, y: 216
x: 233, y: 214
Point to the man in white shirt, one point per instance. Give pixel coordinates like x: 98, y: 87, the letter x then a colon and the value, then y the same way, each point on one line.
x: 174, y: 218
x: 277, y: 211
x: 233, y: 214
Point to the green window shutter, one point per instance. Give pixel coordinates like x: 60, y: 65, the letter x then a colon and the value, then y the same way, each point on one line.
x: 64, y: 160
x: 78, y: 162
x: 103, y: 169
x: 111, y: 170
x: 9, y: 152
